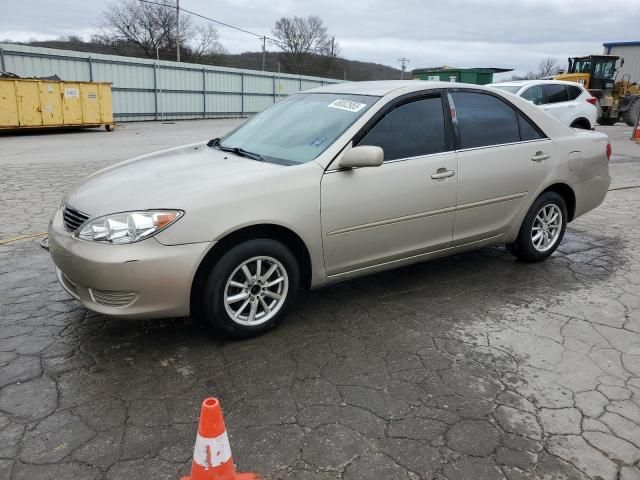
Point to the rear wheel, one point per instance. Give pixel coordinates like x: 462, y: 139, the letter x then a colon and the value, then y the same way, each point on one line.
x: 630, y: 116
x: 542, y: 229
x: 251, y: 288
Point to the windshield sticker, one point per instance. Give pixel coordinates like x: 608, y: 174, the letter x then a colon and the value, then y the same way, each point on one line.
x: 347, y: 105
x: 318, y: 141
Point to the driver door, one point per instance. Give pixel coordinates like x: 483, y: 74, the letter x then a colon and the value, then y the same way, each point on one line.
x: 401, y: 209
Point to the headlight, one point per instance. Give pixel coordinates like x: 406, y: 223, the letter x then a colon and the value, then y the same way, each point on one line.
x: 127, y: 227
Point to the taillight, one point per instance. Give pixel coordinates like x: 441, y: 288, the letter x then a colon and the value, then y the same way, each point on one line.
x: 608, y: 150
x: 592, y: 100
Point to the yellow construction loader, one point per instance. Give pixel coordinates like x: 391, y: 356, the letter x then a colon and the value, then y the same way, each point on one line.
x: 617, y: 98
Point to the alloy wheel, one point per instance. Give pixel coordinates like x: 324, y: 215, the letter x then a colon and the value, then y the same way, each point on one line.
x: 546, y: 227
x: 256, y: 290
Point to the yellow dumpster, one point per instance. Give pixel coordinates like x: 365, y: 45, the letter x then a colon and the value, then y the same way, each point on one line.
x: 32, y: 103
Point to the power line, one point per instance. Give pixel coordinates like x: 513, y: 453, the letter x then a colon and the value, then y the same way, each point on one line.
x: 209, y: 19
x: 199, y: 15
x: 264, y: 38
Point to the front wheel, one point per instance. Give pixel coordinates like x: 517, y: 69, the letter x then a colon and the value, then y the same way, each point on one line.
x: 251, y: 288
x: 542, y: 229
x: 631, y: 115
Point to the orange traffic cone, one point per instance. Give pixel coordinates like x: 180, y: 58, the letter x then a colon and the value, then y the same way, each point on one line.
x: 636, y: 133
x: 212, y: 453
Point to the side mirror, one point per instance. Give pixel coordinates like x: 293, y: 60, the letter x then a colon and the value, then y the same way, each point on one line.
x: 363, y: 156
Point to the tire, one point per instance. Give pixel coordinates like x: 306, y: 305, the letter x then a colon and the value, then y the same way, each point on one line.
x: 524, y: 248
x: 110, y: 127
x: 255, y: 307
x: 630, y: 116
x: 607, y: 121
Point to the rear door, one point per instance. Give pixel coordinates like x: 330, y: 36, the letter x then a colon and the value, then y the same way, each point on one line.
x: 502, y: 159
x: 577, y: 105
x: 557, y: 102
x: 403, y: 208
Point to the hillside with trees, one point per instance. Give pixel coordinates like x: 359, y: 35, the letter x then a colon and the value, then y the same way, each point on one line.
x: 341, y: 68
x: 304, y: 45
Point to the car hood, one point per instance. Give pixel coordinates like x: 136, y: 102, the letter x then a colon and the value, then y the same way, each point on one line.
x: 169, y: 179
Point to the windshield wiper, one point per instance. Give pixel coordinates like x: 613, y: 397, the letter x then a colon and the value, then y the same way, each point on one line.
x: 215, y: 143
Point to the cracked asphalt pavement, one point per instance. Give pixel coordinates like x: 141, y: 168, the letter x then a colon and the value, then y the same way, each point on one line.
x: 469, y: 367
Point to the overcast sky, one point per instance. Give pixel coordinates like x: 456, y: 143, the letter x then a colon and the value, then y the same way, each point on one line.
x: 465, y: 33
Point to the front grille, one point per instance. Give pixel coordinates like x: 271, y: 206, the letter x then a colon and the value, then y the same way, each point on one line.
x: 112, y: 298
x: 73, y: 218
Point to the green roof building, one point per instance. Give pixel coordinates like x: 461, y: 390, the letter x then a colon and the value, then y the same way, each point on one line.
x: 478, y: 76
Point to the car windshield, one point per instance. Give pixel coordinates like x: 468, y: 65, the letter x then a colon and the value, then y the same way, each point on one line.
x: 298, y: 128
x: 508, y: 88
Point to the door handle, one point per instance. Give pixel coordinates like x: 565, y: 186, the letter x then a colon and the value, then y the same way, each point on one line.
x: 442, y: 173
x: 540, y: 156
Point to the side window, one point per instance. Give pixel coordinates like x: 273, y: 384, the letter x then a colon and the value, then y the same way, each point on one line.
x: 534, y: 94
x: 527, y: 130
x: 410, y: 130
x: 484, y: 120
x: 574, y: 92
x: 555, y: 93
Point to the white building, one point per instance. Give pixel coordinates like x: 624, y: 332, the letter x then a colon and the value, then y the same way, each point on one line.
x: 630, y: 51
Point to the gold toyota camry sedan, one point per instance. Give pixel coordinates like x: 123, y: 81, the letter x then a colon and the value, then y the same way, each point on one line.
x: 325, y: 185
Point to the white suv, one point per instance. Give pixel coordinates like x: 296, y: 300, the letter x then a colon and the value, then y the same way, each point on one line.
x: 569, y: 102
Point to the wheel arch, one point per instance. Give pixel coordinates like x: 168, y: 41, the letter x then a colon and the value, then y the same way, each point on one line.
x: 567, y: 193
x: 581, y: 122
x: 264, y: 230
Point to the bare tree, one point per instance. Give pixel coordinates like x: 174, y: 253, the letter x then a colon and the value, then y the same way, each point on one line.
x: 149, y: 27
x: 547, y: 67
x: 301, y: 38
x: 206, y: 43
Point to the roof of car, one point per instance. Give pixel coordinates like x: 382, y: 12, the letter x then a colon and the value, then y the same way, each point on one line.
x: 384, y: 87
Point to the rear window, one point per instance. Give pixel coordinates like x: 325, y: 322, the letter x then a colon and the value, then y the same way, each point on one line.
x: 574, y: 92
x: 555, y: 93
x: 528, y: 131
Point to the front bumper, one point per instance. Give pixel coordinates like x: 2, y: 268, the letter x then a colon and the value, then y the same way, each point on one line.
x: 139, y: 280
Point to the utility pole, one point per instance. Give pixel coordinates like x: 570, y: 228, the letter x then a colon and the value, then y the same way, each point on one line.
x: 177, y: 30
x: 264, y: 50
x: 403, y: 61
